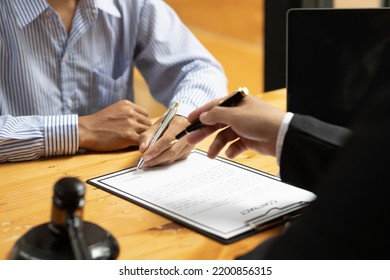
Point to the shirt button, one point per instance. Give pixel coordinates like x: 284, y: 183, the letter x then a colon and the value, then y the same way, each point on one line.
x: 70, y: 103
x: 66, y: 56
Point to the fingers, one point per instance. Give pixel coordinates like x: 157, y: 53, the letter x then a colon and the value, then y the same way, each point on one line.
x: 218, y: 115
x: 223, y: 137
x: 212, y: 122
x: 198, y: 135
x: 164, y: 151
x: 115, y: 127
x: 159, y: 147
x: 140, y: 110
x: 129, y: 118
x: 195, y: 114
x: 177, y: 124
x: 178, y: 151
x: 142, y: 121
x: 138, y: 115
x: 214, y: 119
x: 235, y: 149
x: 146, y: 137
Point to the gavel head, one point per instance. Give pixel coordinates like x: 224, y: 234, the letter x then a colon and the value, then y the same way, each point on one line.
x: 52, y: 241
x: 68, y: 199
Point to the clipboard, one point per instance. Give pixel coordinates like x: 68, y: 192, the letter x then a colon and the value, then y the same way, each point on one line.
x: 218, y: 198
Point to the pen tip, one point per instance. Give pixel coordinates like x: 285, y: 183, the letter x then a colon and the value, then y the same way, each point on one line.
x: 140, y: 164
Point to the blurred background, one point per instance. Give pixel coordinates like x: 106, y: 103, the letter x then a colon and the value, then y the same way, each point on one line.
x: 246, y: 36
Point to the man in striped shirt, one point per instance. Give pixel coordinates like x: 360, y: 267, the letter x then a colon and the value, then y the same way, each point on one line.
x: 66, y: 77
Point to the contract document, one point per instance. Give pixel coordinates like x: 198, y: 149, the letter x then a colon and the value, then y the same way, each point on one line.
x: 220, y: 198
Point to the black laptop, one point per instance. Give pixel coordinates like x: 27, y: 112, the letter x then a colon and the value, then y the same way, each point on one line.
x: 330, y: 56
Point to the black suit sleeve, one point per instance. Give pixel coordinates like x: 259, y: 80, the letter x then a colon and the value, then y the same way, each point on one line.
x: 309, y: 147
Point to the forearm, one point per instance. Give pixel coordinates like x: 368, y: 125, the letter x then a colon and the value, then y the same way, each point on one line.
x: 33, y: 137
x: 202, y: 82
x: 198, y: 87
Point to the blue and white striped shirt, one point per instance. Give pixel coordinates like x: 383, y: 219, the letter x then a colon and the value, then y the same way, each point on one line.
x: 48, y: 78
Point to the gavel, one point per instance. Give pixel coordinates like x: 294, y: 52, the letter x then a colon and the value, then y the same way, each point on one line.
x: 67, y: 236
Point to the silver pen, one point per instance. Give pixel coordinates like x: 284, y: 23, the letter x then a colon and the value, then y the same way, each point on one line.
x: 160, y: 131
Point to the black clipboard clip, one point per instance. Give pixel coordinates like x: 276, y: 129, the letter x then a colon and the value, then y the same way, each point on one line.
x: 284, y: 214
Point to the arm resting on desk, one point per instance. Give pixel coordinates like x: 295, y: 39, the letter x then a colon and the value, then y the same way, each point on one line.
x: 31, y: 137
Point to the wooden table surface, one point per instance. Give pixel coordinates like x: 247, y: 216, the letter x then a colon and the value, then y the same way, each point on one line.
x: 26, y: 190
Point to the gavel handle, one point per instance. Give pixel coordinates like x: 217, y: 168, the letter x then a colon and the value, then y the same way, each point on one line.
x: 74, y: 228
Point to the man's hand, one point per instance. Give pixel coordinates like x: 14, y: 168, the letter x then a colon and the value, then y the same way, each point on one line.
x: 163, y: 151
x: 251, y: 125
x: 115, y: 127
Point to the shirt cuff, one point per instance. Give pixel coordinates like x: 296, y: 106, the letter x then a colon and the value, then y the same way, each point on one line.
x: 282, y: 133
x: 61, y: 135
x: 184, y: 110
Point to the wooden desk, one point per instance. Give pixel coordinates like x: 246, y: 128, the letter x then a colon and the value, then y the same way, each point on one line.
x: 26, y: 189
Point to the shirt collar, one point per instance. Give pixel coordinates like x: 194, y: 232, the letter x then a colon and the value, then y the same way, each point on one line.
x: 109, y: 7
x: 27, y: 11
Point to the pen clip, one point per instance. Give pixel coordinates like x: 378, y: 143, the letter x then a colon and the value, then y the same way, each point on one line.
x: 167, y: 112
x: 285, y: 213
x: 165, y: 122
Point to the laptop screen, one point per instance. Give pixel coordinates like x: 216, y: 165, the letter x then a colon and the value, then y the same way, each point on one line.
x: 331, y: 54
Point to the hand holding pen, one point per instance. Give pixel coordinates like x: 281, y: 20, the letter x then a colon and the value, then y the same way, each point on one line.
x: 167, y: 118
x: 252, y: 124
x: 232, y: 100
x: 166, y: 149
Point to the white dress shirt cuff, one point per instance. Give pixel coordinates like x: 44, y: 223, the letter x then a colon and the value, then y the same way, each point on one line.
x: 282, y: 133
x: 61, y: 135
x: 184, y: 110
